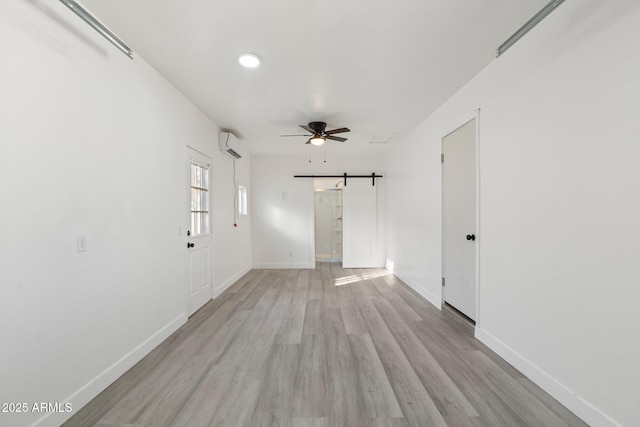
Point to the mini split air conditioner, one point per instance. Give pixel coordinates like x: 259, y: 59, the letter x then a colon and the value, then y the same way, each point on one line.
x: 229, y: 144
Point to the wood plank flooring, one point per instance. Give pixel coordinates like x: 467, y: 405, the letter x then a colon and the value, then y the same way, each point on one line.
x: 323, y: 347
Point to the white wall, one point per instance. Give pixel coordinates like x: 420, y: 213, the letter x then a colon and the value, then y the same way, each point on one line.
x: 91, y: 142
x: 283, y: 230
x: 559, y: 206
x: 231, y: 245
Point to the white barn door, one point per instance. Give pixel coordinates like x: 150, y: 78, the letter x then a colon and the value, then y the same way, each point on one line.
x: 360, y: 224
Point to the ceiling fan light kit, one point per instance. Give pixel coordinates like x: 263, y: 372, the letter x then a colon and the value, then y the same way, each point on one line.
x: 249, y: 60
x: 317, y: 140
x: 318, y: 133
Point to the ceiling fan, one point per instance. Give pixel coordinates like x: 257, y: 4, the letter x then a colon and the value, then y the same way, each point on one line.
x: 318, y: 133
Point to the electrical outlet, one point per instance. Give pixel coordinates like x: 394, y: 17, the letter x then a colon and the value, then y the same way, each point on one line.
x: 290, y: 254
x: 81, y: 243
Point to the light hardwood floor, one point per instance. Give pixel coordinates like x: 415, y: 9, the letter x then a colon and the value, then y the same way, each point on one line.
x: 323, y: 347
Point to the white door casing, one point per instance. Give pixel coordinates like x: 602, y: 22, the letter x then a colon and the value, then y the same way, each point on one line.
x: 198, y: 256
x: 459, y: 218
x: 360, y: 224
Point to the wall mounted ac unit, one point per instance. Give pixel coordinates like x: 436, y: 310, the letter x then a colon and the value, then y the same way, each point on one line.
x: 229, y: 144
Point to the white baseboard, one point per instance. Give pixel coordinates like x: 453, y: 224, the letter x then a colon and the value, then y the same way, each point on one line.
x: 283, y: 265
x: 574, y: 402
x: 85, y: 394
x: 424, y: 293
x: 230, y: 281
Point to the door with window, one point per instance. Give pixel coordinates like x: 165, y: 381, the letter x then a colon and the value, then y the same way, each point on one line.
x: 198, y: 254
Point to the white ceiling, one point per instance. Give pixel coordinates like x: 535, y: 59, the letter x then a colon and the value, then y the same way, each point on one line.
x: 379, y: 67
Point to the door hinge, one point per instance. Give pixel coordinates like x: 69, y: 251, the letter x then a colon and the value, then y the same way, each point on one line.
x: 443, y: 282
x: 441, y: 158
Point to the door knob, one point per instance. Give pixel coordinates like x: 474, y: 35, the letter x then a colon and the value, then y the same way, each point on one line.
x: 471, y: 237
x: 190, y: 245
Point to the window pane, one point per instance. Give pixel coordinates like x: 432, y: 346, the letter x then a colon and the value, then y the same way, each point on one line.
x: 199, y: 200
x: 204, y: 200
x: 205, y: 222
x: 242, y: 200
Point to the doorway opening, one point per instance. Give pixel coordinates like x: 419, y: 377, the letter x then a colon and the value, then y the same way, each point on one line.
x: 328, y: 219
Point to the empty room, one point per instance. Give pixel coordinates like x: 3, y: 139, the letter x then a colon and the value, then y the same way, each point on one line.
x: 338, y: 213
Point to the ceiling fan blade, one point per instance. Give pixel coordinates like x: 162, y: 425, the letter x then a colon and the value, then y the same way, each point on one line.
x: 297, y: 135
x: 341, y: 130
x: 336, y: 138
x: 308, y: 141
x: 308, y: 129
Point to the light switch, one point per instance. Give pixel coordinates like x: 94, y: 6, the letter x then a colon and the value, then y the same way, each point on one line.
x: 81, y: 243
x: 285, y: 194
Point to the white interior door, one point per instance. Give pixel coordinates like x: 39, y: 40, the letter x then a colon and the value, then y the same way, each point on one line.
x: 359, y: 225
x: 328, y: 225
x: 323, y: 224
x: 459, y: 218
x: 198, y: 254
x: 336, y: 212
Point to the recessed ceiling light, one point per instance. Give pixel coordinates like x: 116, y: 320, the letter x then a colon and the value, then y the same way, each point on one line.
x: 249, y: 60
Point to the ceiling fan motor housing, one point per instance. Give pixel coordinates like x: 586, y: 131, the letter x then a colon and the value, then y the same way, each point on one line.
x: 318, y: 127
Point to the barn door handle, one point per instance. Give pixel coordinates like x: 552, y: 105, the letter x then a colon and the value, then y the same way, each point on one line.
x: 190, y: 245
x: 471, y: 237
